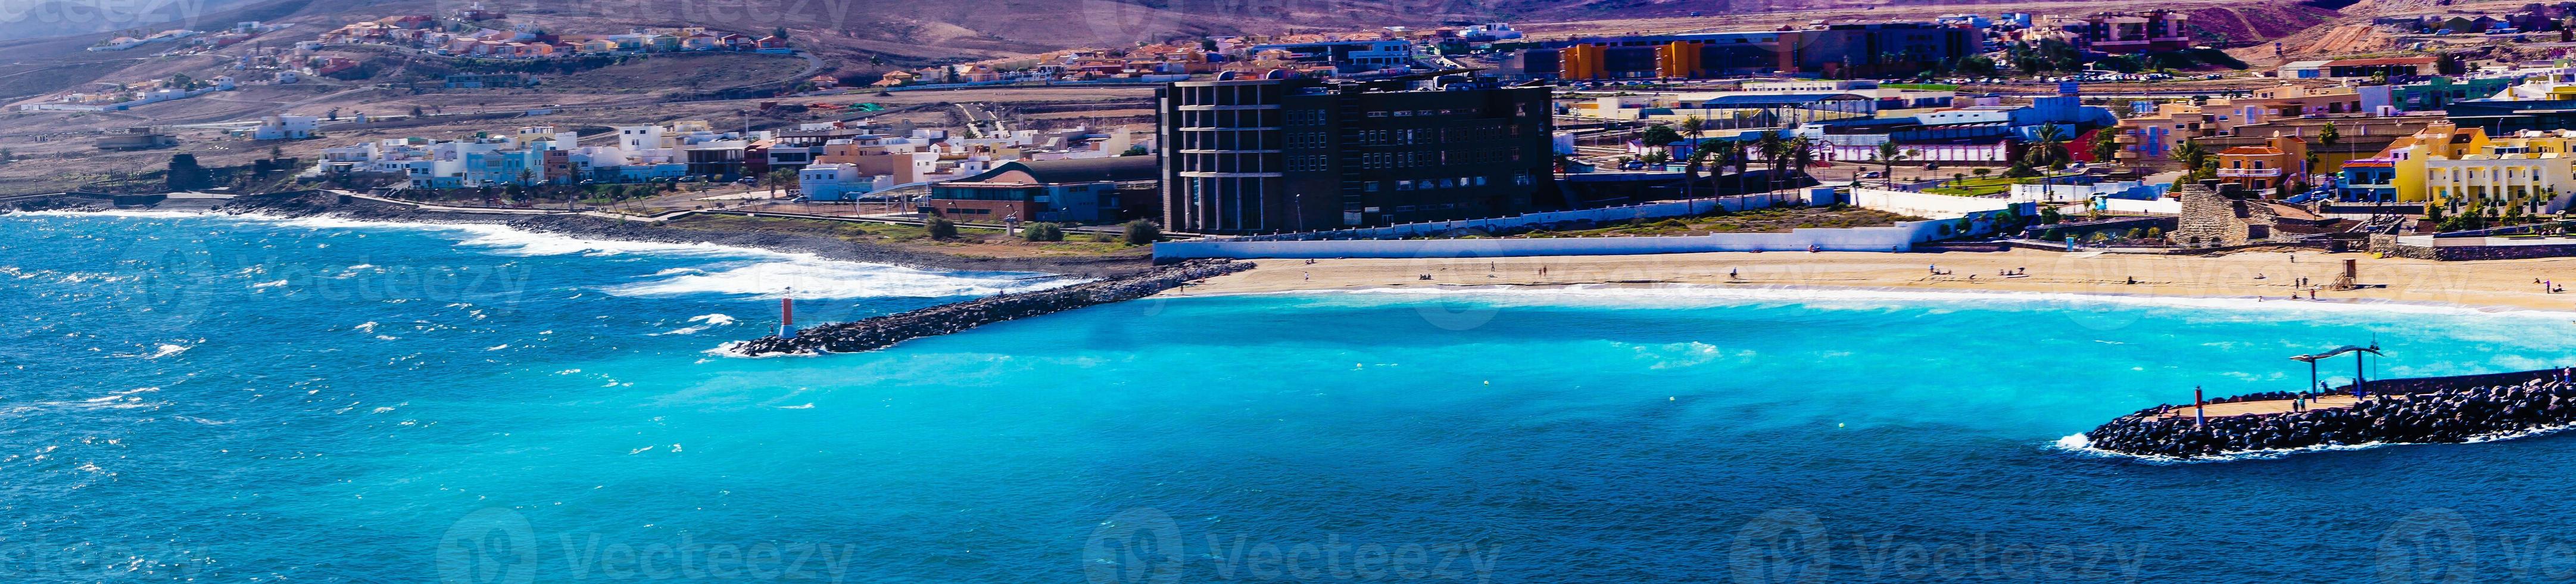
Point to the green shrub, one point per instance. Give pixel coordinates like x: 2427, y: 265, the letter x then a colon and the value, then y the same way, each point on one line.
x: 1142, y: 232
x: 940, y: 228
x: 1042, y: 231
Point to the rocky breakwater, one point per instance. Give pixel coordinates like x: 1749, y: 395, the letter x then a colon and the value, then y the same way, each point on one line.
x: 2472, y: 408
x: 883, y: 331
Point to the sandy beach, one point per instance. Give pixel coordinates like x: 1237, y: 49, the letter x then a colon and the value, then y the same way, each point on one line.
x: 2272, y: 276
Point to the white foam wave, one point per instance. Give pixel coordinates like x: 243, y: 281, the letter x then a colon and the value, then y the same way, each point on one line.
x: 809, y: 278
x: 705, y: 321
x: 128, y: 399
x: 159, y: 351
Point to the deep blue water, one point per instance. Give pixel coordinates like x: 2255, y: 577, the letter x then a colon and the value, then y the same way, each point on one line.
x: 229, y: 400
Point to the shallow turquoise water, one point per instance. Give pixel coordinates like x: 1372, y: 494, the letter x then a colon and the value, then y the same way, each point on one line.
x: 188, y: 398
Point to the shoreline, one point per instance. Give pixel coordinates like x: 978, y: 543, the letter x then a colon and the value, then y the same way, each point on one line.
x: 2254, y: 278
x: 1791, y: 293
x: 324, y: 205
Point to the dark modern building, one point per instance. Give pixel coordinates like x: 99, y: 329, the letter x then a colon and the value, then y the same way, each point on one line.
x: 1272, y: 155
x: 1843, y: 50
x: 2501, y: 117
x: 1086, y: 190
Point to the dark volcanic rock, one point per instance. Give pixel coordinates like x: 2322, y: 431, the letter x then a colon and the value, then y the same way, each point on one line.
x: 884, y: 331
x: 2422, y: 411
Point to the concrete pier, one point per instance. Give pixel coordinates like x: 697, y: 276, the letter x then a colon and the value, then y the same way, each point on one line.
x: 884, y: 331
x: 2429, y: 410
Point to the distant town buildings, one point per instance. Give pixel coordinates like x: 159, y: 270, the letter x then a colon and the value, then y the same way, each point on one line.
x: 472, y: 37
x: 1836, y: 51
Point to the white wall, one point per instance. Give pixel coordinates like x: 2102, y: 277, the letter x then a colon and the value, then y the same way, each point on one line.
x: 1815, y: 196
x: 2158, y: 206
x: 1897, y: 238
x: 1925, y: 205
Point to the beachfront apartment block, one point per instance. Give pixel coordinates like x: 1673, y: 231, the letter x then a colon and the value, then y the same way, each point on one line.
x: 1299, y: 154
x: 2159, y: 128
x: 535, y: 155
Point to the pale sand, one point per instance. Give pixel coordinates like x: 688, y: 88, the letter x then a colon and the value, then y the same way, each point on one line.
x: 2276, y: 406
x: 2505, y: 284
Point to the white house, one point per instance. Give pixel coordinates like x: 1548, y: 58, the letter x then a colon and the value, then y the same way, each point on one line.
x: 285, y: 128
x: 833, y: 182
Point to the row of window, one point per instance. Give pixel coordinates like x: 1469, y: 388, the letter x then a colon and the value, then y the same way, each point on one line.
x: 1229, y: 162
x: 1450, y: 135
x: 1416, y: 159
x: 1445, y: 183
x: 1249, y: 94
x: 1421, y: 113
x: 1227, y: 140
x: 1246, y: 118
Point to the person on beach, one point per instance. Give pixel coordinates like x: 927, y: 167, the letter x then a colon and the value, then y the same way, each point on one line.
x: 1730, y: 274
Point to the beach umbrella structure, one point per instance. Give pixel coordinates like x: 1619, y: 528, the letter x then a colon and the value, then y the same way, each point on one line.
x: 2312, y: 360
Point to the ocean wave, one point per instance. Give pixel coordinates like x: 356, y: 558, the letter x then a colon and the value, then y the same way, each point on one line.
x: 756, y: 272
x: 1874, y: 298
x: 807, y: 278
x: 122, y: 400
x: 705, y: 321
x: 159, y: 351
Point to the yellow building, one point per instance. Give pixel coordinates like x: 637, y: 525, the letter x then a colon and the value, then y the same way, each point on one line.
x: 2462, y: 166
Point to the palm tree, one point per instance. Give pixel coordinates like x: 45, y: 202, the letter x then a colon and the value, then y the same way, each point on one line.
x: 1693, y: 127
x: 1737, y: 155
x: 1691, y: 172
x: 2106, y: 144
x: 1888, y: 154
x: 1774, y: 150
x: 2191, y: 154
x: 1802, y: 153
x: 2051, y: 148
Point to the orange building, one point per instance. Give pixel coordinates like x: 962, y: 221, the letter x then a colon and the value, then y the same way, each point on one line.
x: 2282, y: 159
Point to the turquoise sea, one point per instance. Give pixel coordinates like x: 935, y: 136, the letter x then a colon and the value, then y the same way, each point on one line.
x: 216, y: 399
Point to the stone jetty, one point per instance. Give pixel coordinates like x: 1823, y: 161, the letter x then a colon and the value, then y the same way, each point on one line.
x: 2430, y: 410
x: 884, y: 331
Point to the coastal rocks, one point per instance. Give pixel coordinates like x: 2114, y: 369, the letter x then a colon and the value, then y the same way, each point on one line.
x: 883, y: 331
x: 2431, y: 411
x: 57, y: 203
